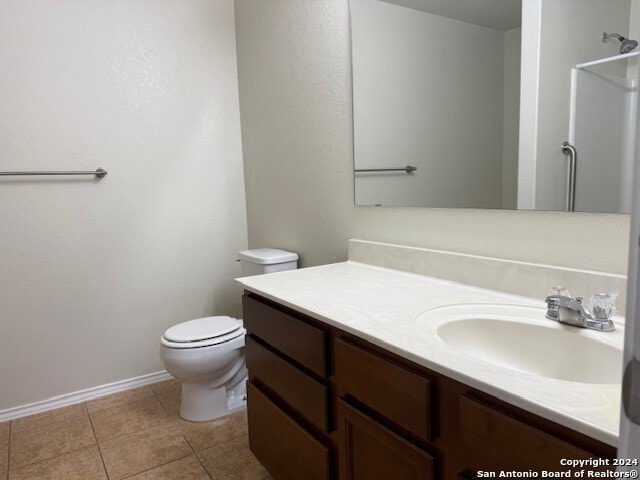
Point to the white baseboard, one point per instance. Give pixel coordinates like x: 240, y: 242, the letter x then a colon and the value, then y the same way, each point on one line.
x: 82, y: 396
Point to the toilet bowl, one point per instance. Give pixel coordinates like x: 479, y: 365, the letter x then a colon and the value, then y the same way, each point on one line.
x: 207, y: 356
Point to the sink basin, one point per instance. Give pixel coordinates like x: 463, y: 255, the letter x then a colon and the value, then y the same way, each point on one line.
x: 521, y: 338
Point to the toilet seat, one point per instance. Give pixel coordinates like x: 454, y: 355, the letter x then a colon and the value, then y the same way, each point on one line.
x: 202, y: 332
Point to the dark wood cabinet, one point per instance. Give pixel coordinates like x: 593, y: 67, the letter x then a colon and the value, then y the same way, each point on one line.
x: 487, y: 433
x: 303, y: 394
x: 391, y: 390
x: 285, y: 449
x: 302, y: 343
x: 289, y: 394
x: 369, y: 451
x: 326, y: 405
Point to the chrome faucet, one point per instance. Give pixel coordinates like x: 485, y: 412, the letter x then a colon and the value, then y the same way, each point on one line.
x: 570, y: 311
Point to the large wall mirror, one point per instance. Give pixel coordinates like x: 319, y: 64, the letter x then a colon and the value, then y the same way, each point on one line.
x: 467, y: 103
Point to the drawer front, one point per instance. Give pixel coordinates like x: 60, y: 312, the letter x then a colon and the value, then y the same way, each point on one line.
x: 296, y: 339
x: 370, y: 451
x: 494, y: 441
x: 305, y: 395
x: 285, y: 449
x: 396, y: 393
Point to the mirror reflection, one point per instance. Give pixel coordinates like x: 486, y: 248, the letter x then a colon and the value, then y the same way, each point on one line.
x: 495, y: 103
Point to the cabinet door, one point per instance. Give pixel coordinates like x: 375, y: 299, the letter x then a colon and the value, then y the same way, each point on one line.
x: 285, y: 449
x: 493, y: 441
x: 369, y: 451
x: 394, y: 392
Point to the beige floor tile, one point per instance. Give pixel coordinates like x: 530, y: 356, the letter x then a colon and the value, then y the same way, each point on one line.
x: 135, y: 453
x: 83, y: 464
x: 188, y: 468
x: 41, y: 443
x: 233, y: 461
x: 166, y: 386
x: 203, y: 435
x: 129, y: 418
x: 4, y: 447
x: 118, y: 399
x: 45, y: 418
x: 170, y: 398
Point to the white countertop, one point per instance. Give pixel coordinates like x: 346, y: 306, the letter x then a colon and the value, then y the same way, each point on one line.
x: 380, y: 306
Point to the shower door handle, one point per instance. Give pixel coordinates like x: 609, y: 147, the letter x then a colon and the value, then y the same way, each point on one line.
x: 570, y: 151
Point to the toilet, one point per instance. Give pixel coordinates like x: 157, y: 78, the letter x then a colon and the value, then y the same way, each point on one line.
x: 207, y: 354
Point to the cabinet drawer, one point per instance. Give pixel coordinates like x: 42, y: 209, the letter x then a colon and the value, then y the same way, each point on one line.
x: 396, y: 393
x: 370, y: 451
x: 285, y: 449
x: 296, y: 339
x: 305, y: 395
x: 495, y: 441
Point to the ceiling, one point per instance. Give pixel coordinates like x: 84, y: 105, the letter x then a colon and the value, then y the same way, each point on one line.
x: 497, y: 14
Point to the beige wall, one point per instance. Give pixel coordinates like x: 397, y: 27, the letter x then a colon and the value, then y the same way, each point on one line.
x: 92, y: 272
x: 295, y: 100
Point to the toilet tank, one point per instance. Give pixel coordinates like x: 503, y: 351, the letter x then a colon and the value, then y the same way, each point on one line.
x: 266, y: 260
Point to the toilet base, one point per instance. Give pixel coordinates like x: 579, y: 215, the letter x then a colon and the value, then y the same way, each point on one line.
x: 200, y: 402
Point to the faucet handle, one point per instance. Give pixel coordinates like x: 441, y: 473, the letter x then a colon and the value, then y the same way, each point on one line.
x: 558, y: 291
x: 603, y: 306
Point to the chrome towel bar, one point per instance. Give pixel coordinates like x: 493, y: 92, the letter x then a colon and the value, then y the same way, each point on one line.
x: 407, y: 169
x: 100, y: 173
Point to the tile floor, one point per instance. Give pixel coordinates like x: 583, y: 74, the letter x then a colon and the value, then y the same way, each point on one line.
x: 136, y: 435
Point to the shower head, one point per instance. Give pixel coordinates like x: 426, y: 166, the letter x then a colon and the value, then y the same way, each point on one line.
x: 626, y: 45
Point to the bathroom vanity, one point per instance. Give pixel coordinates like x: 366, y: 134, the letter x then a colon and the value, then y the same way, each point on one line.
x: 342, y: 386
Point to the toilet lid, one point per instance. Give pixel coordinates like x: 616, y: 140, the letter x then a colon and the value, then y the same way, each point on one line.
x: 201, y: 329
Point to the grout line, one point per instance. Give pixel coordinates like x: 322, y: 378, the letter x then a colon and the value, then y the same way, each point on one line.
x: 196, y: 454
x: 171, y: 421
x: 161, y: 403
x: 12, y: 433
x: 157, y: 395
x: 119, y: 437
x: 47, y: 459
x: 157, y: 466
x: 9, y: 450
x: 176, y: 422
x: 106, y: 472
x: 45, y: 424
x: 219, y: 444
x: 120, y: 404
